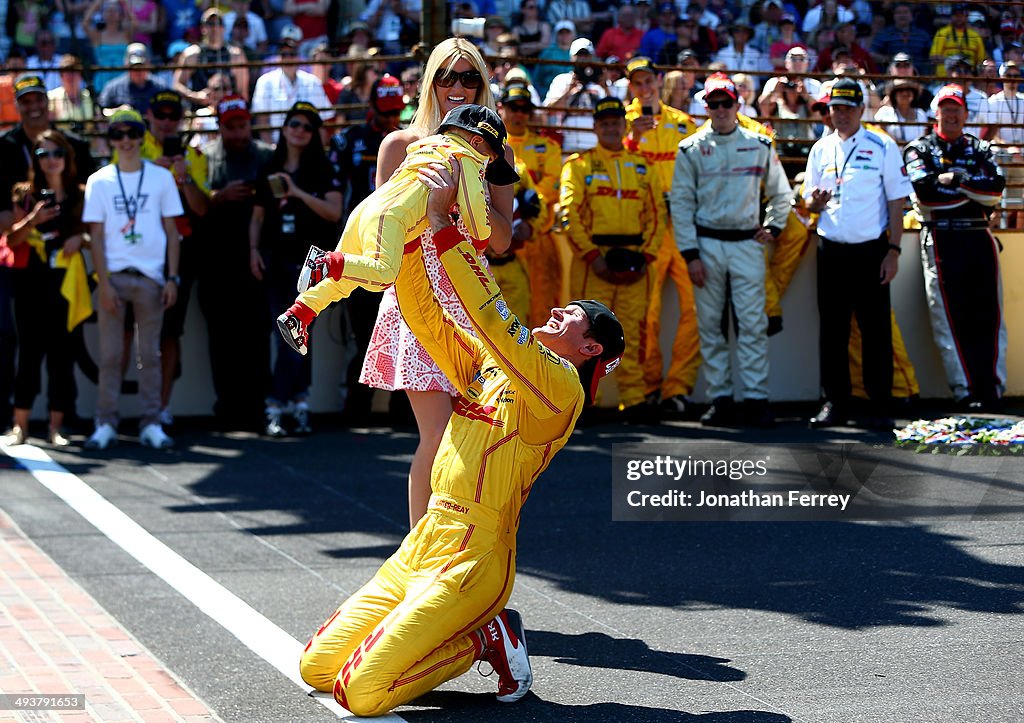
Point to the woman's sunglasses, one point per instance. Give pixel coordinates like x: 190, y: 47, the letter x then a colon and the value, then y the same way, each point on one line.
x: 716, y: 104
x: 297, y: 124
x: 470, y: 79
x: 117, y: 134
x: 43, y: 154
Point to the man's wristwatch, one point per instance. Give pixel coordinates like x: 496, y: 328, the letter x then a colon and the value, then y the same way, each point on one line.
x: 175, y: 278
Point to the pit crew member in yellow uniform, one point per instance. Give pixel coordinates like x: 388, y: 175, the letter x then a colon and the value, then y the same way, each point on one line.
x: 542, y: 256
x: 438, y: 604
x: 369, y: 252
x: 612, y: 213
x: 654, y: 130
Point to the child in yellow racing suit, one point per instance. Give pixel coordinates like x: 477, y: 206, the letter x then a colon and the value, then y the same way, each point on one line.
x: 369, y: 251
x: 437, y: 605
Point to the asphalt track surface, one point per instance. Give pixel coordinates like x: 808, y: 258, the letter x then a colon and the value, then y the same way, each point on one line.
x: 674, y: 622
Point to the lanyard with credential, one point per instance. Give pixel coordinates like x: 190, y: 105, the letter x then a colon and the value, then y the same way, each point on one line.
x: 840, y: 172
x: 131, y: 206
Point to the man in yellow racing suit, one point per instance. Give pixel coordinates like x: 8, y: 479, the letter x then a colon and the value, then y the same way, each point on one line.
x: 437, y: 605
x: 507, y: 267
x: 612, y: 212
x: 369, y: 251
x: 654, y: 130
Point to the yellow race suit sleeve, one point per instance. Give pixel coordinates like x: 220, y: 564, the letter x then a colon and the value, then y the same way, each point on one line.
x: 548, y: 384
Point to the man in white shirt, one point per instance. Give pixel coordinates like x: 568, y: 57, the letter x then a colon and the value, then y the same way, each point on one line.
x: 279, y: 89
x: 856, y: 179
x: 740, y: 56
x: 578, y: 89
x: 959, y: 69
x: 1001, y: 113
x: 130, y: 207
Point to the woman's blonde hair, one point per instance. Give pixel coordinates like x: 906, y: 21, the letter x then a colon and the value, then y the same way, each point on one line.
x: 673, y: 79
x: 442, y: 59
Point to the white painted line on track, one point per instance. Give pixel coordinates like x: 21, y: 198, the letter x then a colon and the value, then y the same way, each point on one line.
x: 255, y: 631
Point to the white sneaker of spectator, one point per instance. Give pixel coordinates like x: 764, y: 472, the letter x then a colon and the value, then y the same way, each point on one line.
x: 154, y: 436
x: 104, y: 436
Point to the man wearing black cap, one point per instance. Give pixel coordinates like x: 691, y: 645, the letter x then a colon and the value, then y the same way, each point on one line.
x: 613, y: 215
x: 353, y: 153
x: 654, y: 130
x: 957, y: 38
x: 164, y: 146
x: 368, y: 252
x: 542, y: 157
x: 136, y: 86
x: 956, y: 183
x: 437, y: 606
x: 855, y: 177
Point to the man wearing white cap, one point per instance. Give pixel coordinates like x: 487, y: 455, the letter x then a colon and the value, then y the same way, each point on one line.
x: 563, y: 33
x: 579, y: 89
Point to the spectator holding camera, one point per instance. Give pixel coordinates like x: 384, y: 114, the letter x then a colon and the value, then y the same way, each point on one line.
x: 48, y: 213
x: 608, y: 193
x: 579, y: 89
x: 723, y: 244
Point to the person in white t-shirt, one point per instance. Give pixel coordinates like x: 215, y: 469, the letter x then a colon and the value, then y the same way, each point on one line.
x: 1001, y: 118
x: 130, y: 207
x: 281, y: 88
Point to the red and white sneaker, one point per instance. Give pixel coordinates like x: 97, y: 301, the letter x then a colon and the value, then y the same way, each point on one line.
x: 314, y: 269
x: 294, y: 332
x: 504, y: 641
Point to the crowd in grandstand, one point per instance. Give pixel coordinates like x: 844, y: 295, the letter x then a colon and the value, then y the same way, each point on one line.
x: 259, y: 112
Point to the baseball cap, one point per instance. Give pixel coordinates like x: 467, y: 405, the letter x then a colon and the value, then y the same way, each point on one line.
x: 955, y: 61
x: 960, y: 8
x: 606, y: 330
x: 127, y: 116
x: 902, y: 58
x: 291, y: 32
x: 28, y: 83
x: 720, y: 83
x: 846, y: 91
x: 1009, y: 24
x: 797, y: 50
x: 787, y: 18
x: 136, y: 54
x: 769, y: 3
x: 666, y: 7
x: 580, y: 45
x: 233, y: 106
x: 609, y: 107
x: 167, y: 98
x: 307, y: 109
x: 975, y: 17
x: 640, y: 63
x: 565, y: 25
x: 951, y: 92
x: 386, y: 94
x: 517, y: 94
x: 485, y: 123
x: 685, y: 55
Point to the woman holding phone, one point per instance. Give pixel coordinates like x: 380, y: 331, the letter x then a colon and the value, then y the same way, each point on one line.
x: 298, y: 207
x: 455, y: 74
x: 48, y: 217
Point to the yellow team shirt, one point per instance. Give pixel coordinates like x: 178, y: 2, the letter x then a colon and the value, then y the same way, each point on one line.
x: 543, y: 160
x: 948, y: 41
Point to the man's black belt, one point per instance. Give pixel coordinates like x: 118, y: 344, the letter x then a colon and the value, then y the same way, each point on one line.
x: 618, y: 239
x: 956, y: 224
x: 726, y: 234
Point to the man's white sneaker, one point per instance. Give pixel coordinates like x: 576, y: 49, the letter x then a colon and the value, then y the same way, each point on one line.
x: 154, y: 436
x: 104, y: 436
x: 505, y: 649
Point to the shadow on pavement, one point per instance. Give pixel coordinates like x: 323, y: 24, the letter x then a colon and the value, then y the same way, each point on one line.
x: 599, y: 650
x: 449, y: 705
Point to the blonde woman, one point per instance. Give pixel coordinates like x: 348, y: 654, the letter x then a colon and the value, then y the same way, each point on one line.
x: 455, y: 74
x: 674, y: 92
